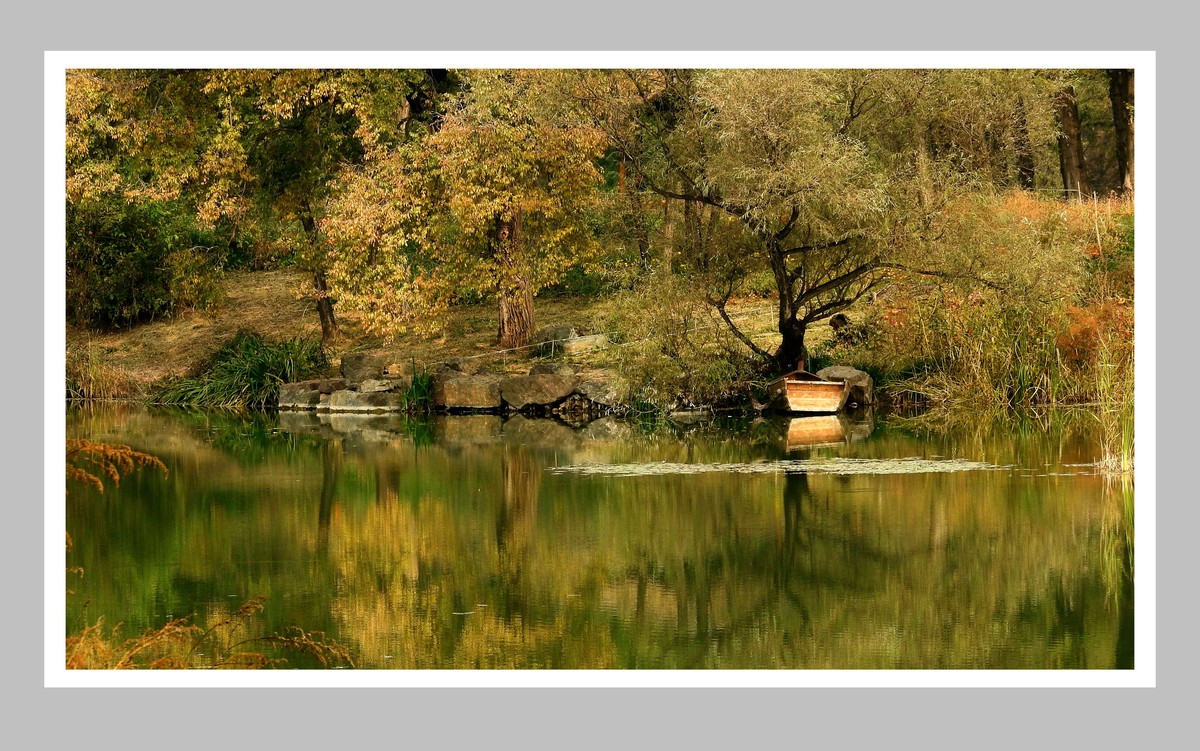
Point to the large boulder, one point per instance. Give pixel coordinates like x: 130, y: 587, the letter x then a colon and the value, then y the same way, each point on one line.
x: 468, y: 365
x: 862, y: 386
x: 462, y: 391
x: 302, y: 395
x: 607, y: 429
x: 361, y: 366
x: 375, y: 427
x: 552, y: 368
x: 354, y: 401
x: 308, y: 423
x: 397, y: 367
x: 582, y: 344
x: 550, y: 339
x: 536, y: 390
x: 394, y: 384
x: 603, y: 387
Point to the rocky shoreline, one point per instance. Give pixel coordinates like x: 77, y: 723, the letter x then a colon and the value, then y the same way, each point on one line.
x: 377, y: 382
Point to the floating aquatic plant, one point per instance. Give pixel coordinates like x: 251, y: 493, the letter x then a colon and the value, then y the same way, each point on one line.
x: 832, y: 465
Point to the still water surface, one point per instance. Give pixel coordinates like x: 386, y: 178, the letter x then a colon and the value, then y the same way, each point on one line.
x: 473, y: 542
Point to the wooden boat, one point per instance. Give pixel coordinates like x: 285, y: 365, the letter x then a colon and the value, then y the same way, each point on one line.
x: 815, y: 431
x: 801, y: 391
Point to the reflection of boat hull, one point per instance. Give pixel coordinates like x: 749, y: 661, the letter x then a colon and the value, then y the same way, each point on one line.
x: 804, y: 392
x: 821, y: 430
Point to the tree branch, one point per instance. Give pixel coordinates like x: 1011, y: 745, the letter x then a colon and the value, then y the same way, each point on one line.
x: 944, y: 275
x: 819, y: 246
x: 720, y: 307
x: 838, y: 281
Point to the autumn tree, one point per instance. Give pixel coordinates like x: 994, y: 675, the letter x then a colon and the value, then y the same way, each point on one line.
x: 135, y: 142
x: 295, y: 130
x: 248, y: 156
x: 829, y: 180
x: 494, y: 202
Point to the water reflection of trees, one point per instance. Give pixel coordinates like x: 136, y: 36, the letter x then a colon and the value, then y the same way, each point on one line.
x: 463, y: 552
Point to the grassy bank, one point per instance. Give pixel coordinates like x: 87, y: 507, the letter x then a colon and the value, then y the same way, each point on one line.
x: 1057, y: 331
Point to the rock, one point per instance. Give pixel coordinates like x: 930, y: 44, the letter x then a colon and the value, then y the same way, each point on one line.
x: 361, y: 366
x: 538, y: 432
x: 525, y: 391
x: 400, y: 368
x: 584, y: 344
x: 467, y: 430
x: 690, y: 416
x: 552, y: 368
x: 330, y: 385
x: 468, y: 365
x: 480, y: 391
x: 862, y: 386
x: 302, y: 395
x: 861, y: 423
x: 376, y: 385
x: 550, y: 339
x: 354, y: 401
x: 603, y: 387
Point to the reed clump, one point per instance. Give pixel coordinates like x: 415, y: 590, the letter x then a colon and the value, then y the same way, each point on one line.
x: 90, y: 378
x: 1053, y: 325
x: 247, y: 372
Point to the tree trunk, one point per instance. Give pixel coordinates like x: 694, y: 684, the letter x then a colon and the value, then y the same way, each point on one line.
x: 791, y: 354
x: 514, y: 293
x: 1120, y: 92
x: 329, y: 327
x: 1070, y: 145
x: 320, y: 284
x: 1024, y: 149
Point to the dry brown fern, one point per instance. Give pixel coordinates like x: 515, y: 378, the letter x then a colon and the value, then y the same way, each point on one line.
x: 104, y: 460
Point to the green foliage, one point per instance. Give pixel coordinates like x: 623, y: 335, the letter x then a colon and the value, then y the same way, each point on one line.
x: 247, y: 372
x: 1056, y: 326
x: 118, y: 272
x: 673, y: 351
x: 418, y: 397
x: 194, y: 278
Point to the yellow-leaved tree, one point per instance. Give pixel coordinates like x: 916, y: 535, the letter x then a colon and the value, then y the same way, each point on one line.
x: 495, y: 202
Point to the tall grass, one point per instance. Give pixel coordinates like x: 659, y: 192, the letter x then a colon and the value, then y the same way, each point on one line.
x: 89, y: 378
x: 1055, y: 327
x: 247, y: 372
x: 418, y: 397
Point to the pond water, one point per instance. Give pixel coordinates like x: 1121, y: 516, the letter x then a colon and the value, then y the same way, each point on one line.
x: 475, y: 542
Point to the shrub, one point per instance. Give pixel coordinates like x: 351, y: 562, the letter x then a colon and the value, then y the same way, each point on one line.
x: 674, y: 351
x: 129, y: 263
x: 247, y: 372
x: 194, y: 278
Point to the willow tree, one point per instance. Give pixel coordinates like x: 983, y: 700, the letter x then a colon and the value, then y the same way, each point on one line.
x: 494, y: 202
x: 829, y: 177
x: 770, y: 151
